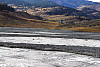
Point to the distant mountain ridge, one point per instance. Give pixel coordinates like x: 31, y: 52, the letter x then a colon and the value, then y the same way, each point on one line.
x: 42, y: 3
x: 16, y: 2
x: 86, y: 12
x: 94, y: 6
x: 68, y: 3
x: 30, y: 3
x: 67, y: 11
x: 78, y: 4
x: 53, y: 3
x: 73, y: 3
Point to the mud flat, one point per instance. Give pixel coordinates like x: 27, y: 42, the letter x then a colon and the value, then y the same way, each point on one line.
x: 38, y: 32
x: 84, y: 43
x: 83, y: 50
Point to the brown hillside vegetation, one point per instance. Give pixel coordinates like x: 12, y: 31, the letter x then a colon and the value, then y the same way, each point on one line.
x: 11, y: 19
x: 21, y: 19
x: 94, y: 6
x: 88, y: 26
x: 8, y: 20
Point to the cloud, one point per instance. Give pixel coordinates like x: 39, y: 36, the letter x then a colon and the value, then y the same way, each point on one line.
x: 95, y: 0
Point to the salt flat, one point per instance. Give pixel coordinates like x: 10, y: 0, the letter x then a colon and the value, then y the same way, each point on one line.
x: 47, y: 36
x: 17, y: 57
x: 52, y: 41
x: 40, y: 32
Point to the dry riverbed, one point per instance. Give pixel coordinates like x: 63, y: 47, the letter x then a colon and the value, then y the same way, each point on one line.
x: 83, y: 48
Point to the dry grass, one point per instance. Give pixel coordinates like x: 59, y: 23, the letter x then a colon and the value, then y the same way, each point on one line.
x: 34, y: 24
x: 16, y: 21
x: 85, y: 29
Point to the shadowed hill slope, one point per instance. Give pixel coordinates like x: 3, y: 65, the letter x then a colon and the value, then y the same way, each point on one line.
x: 21, y: 19
x: 4, y: 7
x: 73, y: 12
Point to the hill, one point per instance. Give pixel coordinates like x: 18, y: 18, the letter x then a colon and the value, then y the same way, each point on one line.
x: 92, y: 12
x: 23, y: 19
x: 75, y: 3
x: 19, y: 5
x: 52, y: 3
x: 16, y: 2
x: 9, y: 18
x: 42, y: 3
x: 88, y: 26
x: 73, y: 12
x: 94, y: 6
x: 12, y: 19
x: 4, y: 7
x: 24, y: 5
x: 59, y: 9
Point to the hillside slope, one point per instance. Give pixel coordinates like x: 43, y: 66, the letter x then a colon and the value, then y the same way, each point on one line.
x: 16, y: 2
x: 94, y: 6
x: 73, y: 12
x: 42, y: 3
x: 9, y: 18
x: 75, y: 3
x: 53, y: 3
x: 36, y: 5
x: 4, y: 7
x: 22, y: 19
x: 91, y: 12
